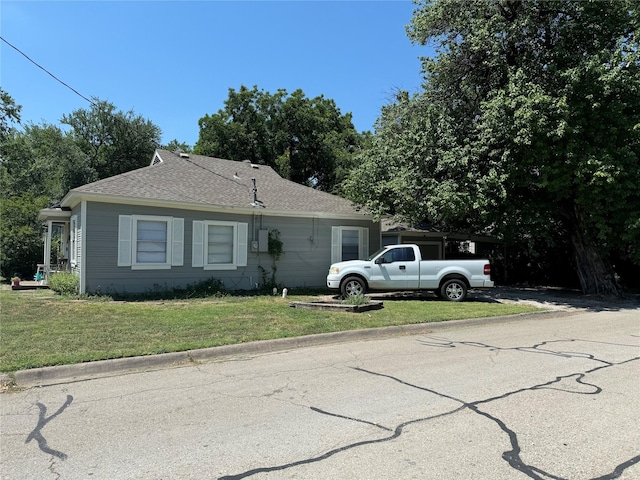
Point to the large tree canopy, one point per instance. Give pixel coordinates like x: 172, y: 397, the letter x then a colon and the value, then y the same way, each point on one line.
x: 9, y: 113
x: 306, y: 140
x: 113, y: 141
x: 39, y: 164
x: 528, y: 126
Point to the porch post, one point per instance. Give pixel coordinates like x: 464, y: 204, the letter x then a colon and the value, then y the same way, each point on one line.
x: 47, y: 249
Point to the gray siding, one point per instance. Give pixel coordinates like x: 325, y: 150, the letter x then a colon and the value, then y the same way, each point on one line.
x: 304, y: 263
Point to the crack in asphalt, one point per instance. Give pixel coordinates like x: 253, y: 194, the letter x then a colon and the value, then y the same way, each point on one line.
x: 512, y: 456
x: 36, y: 434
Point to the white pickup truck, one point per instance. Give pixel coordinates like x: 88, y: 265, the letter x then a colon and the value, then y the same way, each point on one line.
x: 400, y: 267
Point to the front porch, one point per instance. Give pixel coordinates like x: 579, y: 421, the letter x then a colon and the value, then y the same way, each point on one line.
x: 57, y: 244
x: 30, y: 285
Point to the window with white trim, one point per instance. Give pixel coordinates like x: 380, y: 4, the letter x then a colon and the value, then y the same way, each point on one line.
x: 349, y: 243
x: 219, y: 245
x: 147, y: 242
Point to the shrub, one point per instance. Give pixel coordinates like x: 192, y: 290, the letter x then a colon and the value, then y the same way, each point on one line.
x: 356, y: 300
x: 64, y: 283
x: 205, y: 288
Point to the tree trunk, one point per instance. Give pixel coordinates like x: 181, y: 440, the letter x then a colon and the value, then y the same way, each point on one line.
x: 595, y: 273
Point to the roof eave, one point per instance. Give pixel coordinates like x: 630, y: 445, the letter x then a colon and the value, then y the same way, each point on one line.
x: 73, y: 198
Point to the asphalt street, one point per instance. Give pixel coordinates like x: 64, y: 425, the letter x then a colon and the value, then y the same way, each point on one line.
x: 546, y: 397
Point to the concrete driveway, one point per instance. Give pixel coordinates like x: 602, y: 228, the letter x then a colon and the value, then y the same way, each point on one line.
x: 549, y: 397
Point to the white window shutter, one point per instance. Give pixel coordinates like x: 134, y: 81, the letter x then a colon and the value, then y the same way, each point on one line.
x: 124, y: 240
x: 73, y: 253
x: 177, y: 242
x: 197, y: 252
x: 242, y: 244
x: 336, y: 244
x: 363, y: 249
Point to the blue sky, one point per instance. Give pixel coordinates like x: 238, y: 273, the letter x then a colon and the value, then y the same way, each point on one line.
x: 172, y: 62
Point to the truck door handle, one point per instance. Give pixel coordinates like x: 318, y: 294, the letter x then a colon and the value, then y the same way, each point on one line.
x: 402, y: 267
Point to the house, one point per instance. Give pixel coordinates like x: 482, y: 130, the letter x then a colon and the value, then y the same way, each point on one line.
x: 188, y: 218
x: 434, y: 243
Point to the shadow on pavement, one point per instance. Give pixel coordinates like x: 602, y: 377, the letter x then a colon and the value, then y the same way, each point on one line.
x: 547, y: 297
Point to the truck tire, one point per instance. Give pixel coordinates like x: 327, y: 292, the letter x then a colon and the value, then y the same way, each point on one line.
x: 454, y: 290
x: 353, y: 286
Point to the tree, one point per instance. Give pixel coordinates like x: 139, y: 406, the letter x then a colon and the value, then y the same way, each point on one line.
x: 42, y: 160
x: 527, y: 127
x: 9, y: 113
x: 21, y: 234
x: 41, y: 163
x: 114, y: 142
x: 174, y: 145
x: 308, y: 141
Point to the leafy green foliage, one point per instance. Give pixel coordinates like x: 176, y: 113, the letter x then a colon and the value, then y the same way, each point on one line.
x: 113, y: 141
x: 527, y: 129
x: 308, y: 141
x: 64, y: 283
x: 175, y: 145
x: 41, y: 163
x: 357, y: 300
x: 21, y: 235
x: 44, y: 161
x: 9, y: 113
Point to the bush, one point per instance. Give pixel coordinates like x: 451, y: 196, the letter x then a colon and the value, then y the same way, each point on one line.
x: 21, y: 235
x: 64, y: 283
x: 356, y: 300
x: 205, y: 288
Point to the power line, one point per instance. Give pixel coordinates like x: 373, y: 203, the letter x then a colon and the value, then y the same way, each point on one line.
x: 47, y: 71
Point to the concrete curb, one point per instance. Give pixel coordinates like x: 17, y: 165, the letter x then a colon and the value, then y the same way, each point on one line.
x: 103, y: 368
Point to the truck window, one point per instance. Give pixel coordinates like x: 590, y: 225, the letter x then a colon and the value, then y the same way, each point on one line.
x: 399, y: 255
x: 405, y: 254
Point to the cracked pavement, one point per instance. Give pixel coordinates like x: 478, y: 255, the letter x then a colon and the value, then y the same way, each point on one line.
x: 537, y: 397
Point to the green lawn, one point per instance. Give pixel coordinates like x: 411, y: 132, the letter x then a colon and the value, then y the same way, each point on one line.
x: 39, y: 328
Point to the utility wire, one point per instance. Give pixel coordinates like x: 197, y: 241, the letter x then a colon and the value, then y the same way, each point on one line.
x: 46, y: 71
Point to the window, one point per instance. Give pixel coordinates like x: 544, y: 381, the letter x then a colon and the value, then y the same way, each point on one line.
x: 349, y: 243
x: 219, y: 245
x: 150, y: 242
x: 404, y: 254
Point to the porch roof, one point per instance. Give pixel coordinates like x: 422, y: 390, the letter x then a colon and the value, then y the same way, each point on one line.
x: 54, y: 214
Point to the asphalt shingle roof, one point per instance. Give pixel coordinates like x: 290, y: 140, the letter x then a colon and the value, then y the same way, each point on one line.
x: 215, y: 182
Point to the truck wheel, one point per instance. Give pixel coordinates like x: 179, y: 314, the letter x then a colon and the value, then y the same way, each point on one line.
x: 353, y: 286
x: 454, y: 290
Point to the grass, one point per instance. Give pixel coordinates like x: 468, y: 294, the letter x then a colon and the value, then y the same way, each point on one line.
x: 40, y: 329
